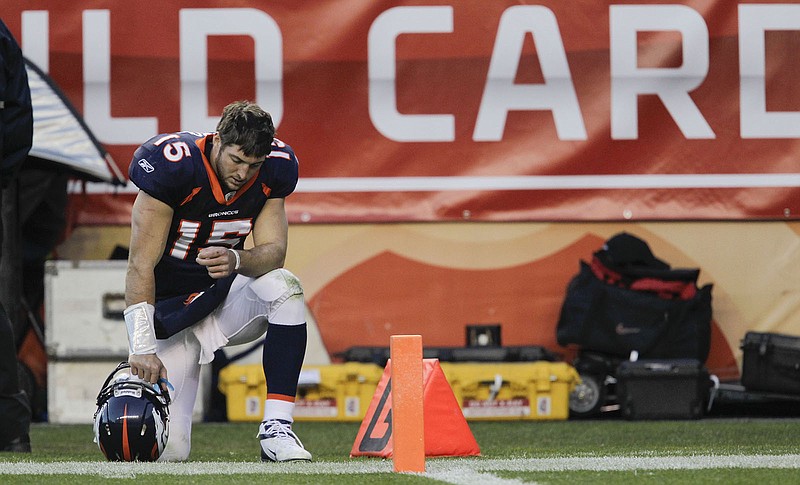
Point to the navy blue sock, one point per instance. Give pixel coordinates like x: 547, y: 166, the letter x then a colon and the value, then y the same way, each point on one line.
x: 284, y: 350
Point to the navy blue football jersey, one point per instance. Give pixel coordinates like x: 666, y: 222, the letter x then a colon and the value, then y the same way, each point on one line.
x: 175, y: 169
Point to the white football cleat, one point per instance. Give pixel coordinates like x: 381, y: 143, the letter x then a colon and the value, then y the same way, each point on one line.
x: 279, y: 443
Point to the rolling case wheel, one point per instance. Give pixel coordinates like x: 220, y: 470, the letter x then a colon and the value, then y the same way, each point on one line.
x: 588, y: 396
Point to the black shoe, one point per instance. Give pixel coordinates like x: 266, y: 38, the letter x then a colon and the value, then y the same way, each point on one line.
x: 19, y: 445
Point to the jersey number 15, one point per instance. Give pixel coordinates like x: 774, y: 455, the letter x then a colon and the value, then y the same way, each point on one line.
x: 223, y: 233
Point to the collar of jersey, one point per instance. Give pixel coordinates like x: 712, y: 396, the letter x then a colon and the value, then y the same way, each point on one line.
x: 216, y: 188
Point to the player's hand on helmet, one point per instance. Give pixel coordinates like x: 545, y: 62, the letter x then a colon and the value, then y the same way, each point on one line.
x: 147, y: 367
x: 219, y: 262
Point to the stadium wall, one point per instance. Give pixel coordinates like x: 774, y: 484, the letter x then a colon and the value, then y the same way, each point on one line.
x: 365, y: 282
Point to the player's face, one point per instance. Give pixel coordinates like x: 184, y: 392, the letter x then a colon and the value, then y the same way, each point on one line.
x: 234, y: 168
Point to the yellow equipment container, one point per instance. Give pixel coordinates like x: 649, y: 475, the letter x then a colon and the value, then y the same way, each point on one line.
x: 336, y: 392
x: 512, y: 390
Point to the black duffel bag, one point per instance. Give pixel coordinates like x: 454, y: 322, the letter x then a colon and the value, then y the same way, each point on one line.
x: 616, y: 320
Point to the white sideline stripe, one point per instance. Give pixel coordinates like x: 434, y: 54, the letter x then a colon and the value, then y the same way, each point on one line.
x: 451, y: 470
x: 546, y: 182
x: 512, y: 182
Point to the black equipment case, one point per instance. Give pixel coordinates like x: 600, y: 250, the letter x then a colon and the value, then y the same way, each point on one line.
x: 771, y: 362
x: 663, y: 389
x: 526, y: 353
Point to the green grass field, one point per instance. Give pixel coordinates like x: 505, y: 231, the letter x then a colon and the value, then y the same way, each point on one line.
x: 713, y: 450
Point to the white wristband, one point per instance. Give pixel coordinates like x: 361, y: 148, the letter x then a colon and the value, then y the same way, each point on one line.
x: 141, y: 330
x: 238, y: 259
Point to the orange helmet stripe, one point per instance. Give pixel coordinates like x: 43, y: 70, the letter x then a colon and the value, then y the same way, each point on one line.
x: 126, y: 449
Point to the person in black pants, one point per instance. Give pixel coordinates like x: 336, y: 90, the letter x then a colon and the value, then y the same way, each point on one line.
x: 15, y: 411
x: 16, y: 137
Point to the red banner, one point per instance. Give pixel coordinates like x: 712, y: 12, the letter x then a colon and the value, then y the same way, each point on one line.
x: 453, y: 110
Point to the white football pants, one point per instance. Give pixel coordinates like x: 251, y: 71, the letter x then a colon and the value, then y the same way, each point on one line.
x: 252, y: 303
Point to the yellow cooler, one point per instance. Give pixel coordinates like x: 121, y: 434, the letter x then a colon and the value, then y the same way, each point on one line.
x: 512, y: 390
x: 336, y: 392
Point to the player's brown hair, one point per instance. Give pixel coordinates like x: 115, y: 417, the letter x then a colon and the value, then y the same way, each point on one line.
x: 247, y: 125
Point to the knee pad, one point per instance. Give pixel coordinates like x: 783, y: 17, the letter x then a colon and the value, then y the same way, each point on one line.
x: 283, y: 295
x: 278, y: 283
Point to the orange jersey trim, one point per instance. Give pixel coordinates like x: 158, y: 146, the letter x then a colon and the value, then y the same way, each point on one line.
x: 216, y: 187
x: 195, y: 191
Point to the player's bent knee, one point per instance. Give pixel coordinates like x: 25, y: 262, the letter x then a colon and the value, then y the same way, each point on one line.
x: 277, y: 284
x: 178, y: 452
x: 179, y: 442
x: 283, y: 295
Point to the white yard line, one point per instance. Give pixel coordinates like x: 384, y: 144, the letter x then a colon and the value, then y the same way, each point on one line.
x: 469, y: 476
x: 452, y: 470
